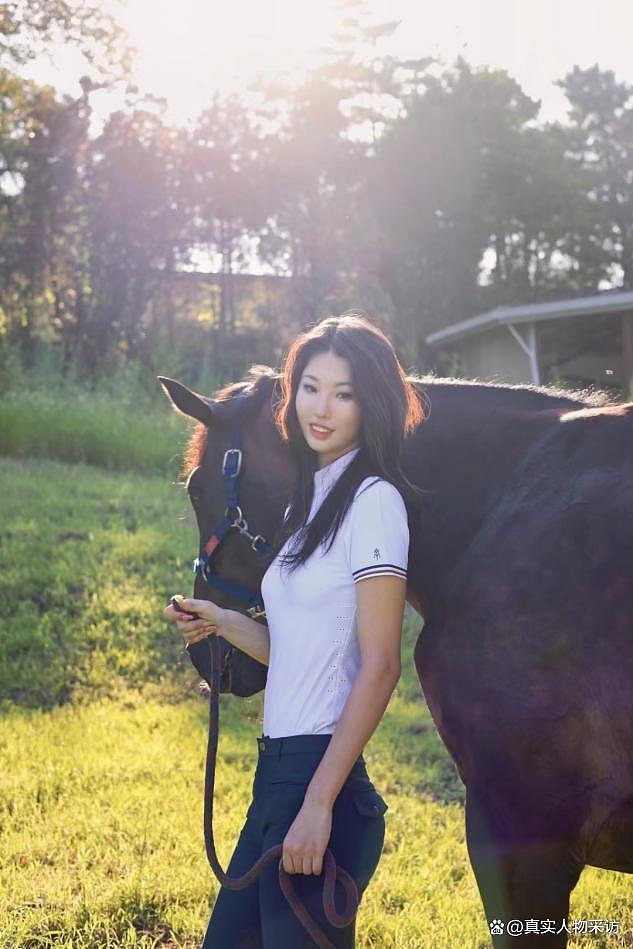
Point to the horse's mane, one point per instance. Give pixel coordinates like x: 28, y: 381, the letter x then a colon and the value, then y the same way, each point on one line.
x: 260, y: 379
x: 590, y: 396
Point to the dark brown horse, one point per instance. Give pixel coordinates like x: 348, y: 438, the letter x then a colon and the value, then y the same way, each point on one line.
x: 520, y: 562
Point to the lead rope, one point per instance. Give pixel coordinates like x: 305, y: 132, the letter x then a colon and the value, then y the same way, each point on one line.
x: 333, y: 873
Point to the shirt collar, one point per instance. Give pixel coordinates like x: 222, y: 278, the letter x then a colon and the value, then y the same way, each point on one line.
x: 325, y: 477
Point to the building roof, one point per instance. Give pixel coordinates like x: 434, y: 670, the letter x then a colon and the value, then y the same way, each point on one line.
x: 612, y: 301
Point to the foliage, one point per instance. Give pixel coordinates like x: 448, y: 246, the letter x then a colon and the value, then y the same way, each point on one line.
x: 28, y: 26
x: 132, y: 229
x: 601, y: 146
x: 422, y: 192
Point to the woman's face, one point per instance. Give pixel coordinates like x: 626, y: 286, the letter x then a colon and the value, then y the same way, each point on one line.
x: 326, y: 398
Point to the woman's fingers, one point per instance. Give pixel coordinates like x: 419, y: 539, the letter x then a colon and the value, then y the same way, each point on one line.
x: 204, y: 609
x: 308, y: 865
x: 196, y: 630
x: 196, y: 637
x: 201, y: 607
x: 189, y: 623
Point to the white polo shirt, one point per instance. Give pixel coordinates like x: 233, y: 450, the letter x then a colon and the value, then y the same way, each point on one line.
x: 312, y: 612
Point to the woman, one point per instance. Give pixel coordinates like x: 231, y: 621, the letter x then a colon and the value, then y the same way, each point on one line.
x: 332, y: 643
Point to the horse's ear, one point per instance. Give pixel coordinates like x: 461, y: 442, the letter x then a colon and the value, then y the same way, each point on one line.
x: 188, y: 402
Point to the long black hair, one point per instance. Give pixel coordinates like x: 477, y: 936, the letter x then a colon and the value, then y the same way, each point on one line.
x: 390, y: 408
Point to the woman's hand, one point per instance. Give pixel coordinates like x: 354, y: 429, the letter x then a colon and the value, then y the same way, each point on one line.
x: 210, y: 618
x: 307, y: 839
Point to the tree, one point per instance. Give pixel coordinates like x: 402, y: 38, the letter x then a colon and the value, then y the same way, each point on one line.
x: 432, y: 188
x: 27, y: 27
x: 465, y: 177
x: 40, y: 150
x: 305, y: 162
x: 225, y: 188
x: 601, y: 146
x: 135, y: 225
x: 539, y: 219
x: 371, y: 83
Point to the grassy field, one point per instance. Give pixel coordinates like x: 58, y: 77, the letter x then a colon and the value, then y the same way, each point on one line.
x: 103, y: 734
x: 93, y: 428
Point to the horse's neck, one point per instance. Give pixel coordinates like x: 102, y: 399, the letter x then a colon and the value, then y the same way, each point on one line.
x: 464, y: 455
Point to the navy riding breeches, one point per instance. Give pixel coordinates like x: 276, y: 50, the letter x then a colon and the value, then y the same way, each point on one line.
x: 259, y: 917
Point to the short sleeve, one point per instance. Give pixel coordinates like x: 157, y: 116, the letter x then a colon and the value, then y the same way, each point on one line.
x: 378, y: 539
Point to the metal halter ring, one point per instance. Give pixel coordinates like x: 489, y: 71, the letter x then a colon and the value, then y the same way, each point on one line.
x: 239, y: 514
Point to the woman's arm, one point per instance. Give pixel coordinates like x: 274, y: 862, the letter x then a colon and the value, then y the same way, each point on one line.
x: 247, y: 634
x: 380, y: 602
x: 240, y: 630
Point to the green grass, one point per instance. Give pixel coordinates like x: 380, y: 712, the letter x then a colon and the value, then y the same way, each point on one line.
x: 93, y: 428
x: 87, y: 560
x: 101, y: 795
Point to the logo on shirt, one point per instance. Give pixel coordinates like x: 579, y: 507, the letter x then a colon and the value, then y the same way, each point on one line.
x: 376, y: 553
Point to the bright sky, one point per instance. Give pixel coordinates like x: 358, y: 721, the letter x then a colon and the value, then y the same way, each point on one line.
x: 191, y: 48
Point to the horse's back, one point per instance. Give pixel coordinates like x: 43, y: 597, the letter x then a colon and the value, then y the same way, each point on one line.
x: 531, y: 651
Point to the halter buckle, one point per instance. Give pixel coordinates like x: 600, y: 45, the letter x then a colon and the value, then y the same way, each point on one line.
x: 232, y: 462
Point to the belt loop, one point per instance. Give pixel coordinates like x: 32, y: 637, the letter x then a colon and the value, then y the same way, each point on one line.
x: 281, y: 741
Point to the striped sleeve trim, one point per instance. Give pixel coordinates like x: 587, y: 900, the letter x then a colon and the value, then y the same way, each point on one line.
x: 376, y: 570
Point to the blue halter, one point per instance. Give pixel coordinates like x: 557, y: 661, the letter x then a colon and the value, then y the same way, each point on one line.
x: 231, y: 465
